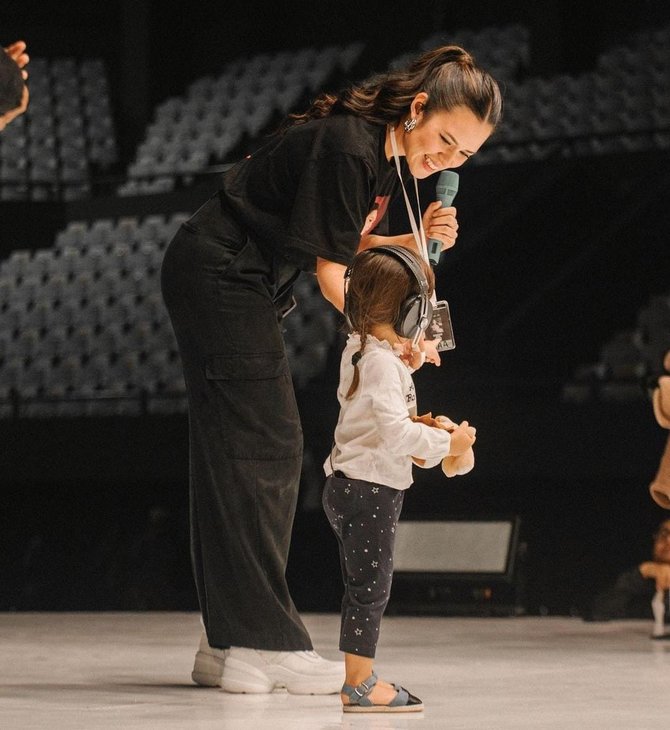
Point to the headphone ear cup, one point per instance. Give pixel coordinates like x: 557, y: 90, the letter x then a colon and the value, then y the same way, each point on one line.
x: 409, y: 319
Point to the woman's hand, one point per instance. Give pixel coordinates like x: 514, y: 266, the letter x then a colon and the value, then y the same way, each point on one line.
x: 440, y: 224
x: 17, y: 52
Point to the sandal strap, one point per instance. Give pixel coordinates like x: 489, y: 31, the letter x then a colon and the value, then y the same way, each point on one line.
x: 402, y: 698
x: 359, y: 695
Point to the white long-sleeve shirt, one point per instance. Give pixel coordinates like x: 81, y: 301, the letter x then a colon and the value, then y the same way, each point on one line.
x: 375, y: 438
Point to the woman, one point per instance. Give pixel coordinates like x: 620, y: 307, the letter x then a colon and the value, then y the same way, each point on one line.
x: 297, y: 204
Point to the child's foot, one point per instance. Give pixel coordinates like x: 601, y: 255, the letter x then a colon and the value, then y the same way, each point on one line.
x: 373, y: 696
x: 381, y: 694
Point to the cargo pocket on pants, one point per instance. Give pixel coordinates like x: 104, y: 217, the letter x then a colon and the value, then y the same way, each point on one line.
x: 256, y: 405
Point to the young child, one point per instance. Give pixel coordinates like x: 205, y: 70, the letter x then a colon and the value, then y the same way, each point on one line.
x: 377, y: 440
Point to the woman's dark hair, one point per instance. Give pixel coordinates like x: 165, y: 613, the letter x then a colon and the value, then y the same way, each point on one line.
x: 11, y: 83
x: 448, y: 75
x: 378, y: 285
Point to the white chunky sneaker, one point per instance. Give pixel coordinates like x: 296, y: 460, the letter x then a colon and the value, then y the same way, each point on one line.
x: 300, y: 672
x: 208, y: 665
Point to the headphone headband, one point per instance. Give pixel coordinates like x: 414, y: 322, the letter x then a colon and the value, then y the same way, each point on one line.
x: 403, y: 254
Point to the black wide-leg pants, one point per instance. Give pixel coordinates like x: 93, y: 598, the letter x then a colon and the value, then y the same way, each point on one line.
x: 245, y: 436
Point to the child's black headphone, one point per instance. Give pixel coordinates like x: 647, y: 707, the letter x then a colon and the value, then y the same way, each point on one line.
x: 415, y: 311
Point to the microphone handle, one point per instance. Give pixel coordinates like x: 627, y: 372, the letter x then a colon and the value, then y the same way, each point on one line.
x: 446, y: 189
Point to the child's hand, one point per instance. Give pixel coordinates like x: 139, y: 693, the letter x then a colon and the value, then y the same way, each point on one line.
x: 462, y: 438
x: 414, y: 359
x: 430, y: 348
x: 460, y: 460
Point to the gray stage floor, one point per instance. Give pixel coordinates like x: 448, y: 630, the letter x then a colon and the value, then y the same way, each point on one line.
x: 132, y: 671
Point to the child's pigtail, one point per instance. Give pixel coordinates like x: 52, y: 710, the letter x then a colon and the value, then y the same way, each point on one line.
x: 354, y: 361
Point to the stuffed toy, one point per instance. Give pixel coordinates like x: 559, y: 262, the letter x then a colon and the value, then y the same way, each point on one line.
x: 451, y: 465
x: 660, y: 487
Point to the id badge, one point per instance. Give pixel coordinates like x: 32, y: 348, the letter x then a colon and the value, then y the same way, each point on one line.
x: 439, y: 327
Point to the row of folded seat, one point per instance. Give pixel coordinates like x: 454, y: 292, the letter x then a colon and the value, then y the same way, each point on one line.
x: 205, y: 126
x: 85, y: 329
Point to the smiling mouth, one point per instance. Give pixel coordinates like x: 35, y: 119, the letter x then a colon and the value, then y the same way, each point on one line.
x: 430, y: 163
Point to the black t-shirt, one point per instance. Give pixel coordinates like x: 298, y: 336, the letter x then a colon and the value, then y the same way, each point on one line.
x: 308, y: 192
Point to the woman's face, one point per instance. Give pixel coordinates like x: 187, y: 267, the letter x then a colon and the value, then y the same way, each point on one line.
x: 442, y: 139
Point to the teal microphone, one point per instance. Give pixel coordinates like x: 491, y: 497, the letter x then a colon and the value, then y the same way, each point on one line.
x: 446, y: 189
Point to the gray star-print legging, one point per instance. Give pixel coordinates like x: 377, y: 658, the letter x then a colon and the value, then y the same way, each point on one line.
x: 363, y: 516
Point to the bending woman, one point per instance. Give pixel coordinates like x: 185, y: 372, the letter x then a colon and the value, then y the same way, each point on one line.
x: 299, y: 203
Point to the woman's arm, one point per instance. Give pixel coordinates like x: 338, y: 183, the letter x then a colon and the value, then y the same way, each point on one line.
x: 438, y: 222
x: 7, y: 117
x: 330, y: 276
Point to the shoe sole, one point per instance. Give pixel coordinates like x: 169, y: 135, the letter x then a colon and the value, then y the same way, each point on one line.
x: 382, y: 708
x: 242, y: 678
x: 207, y: 670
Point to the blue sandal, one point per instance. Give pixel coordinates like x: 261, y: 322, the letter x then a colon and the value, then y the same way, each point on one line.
x: 360, y: 702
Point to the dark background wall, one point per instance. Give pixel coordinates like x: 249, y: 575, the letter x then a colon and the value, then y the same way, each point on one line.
x: 553, y: 257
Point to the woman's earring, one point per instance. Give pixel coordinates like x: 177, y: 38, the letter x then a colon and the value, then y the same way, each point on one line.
x: 410, y: 124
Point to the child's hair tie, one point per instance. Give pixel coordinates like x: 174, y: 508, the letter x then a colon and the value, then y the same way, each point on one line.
x: 356, y: 357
